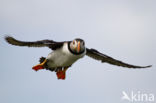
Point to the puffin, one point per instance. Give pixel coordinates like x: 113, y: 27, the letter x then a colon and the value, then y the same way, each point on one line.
x: 64, y: 54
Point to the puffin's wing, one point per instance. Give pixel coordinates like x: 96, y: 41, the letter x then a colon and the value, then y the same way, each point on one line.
x: 104, y: 58
x: 41, y: 43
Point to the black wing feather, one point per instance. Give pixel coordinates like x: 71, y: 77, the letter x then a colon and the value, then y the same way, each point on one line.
x: 104, y: 58
x: 41, y: 43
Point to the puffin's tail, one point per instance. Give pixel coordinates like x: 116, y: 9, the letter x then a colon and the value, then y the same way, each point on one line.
x: 42, y: 59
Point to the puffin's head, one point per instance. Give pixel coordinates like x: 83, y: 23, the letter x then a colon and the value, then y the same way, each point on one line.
x: 77, y: 45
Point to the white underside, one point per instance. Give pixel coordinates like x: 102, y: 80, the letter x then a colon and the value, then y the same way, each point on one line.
x: 62, y: 57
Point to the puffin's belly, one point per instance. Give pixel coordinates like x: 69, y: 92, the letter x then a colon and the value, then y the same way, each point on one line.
x: 59, y: 59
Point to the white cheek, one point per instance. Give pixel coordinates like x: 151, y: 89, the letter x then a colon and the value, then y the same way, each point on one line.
x: 75, y: 45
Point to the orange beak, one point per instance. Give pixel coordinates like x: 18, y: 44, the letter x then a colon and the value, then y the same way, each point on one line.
x: 78, y: 47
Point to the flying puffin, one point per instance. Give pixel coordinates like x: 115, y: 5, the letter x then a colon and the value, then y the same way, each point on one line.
x: 65, y: 54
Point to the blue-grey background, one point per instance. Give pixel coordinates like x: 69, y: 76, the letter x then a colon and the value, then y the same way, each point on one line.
x: 123, y: 29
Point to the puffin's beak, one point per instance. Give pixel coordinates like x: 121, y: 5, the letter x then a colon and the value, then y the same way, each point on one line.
x: 78, y: 47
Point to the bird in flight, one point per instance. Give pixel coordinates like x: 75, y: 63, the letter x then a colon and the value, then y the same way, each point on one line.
x: 65, y: 54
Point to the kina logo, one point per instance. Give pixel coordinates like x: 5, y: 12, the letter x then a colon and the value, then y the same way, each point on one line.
x: 137, y: 96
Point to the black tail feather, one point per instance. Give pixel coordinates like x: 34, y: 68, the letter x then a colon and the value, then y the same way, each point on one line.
x: 42, y: 59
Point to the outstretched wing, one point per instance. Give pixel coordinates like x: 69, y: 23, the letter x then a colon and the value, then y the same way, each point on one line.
x: 41, y: 43
x: 104, y: 58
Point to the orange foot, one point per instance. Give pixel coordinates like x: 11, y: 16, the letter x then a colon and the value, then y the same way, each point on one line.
x: 39, y: 66
x: 61, y: 74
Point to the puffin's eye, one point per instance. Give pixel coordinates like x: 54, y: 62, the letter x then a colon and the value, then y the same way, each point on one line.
x: 74, y: 42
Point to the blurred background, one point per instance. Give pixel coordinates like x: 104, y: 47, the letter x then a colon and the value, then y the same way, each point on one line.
x: 123, y: 29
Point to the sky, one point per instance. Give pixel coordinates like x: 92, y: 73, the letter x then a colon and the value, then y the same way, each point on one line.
x: 122, y: 29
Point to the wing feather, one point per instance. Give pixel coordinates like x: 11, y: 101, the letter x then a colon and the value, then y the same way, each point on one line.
x: 41, y: 43
x: 104, y: 58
